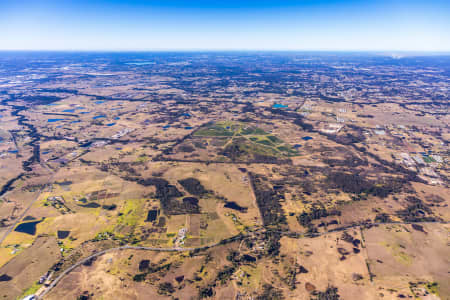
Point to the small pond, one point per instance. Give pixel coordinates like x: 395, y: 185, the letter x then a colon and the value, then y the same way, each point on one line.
x: 152, y: 215
x: 54, y: 120
x: 28, y: 227
x: 279, y: 105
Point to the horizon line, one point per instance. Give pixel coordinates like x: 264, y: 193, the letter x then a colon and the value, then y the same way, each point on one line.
x: 409, y: 51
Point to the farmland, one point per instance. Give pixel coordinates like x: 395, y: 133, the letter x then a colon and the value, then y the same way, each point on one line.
x: 317, y: 178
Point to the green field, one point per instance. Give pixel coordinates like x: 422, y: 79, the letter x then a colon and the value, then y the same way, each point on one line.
x: 228, y: 128
x: 245, y: 140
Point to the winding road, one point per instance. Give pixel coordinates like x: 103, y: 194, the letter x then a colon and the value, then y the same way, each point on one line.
x: 234, y: 238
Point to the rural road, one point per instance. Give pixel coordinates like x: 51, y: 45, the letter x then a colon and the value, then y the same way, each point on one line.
x: 19, y: 219
x: 71, y: 268
x: 49, y: 182
x: 178, y: 249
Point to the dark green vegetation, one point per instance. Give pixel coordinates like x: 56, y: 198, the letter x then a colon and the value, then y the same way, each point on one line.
x: 364, y: 153
x: 168, y: 195
x: 417, y: 211
x: 317, y: 211
x: 235, y: 206
x: 165, y: 288
x: 224, y: 275
x: 147, y: 268
x: 268, y: 202
x: 269, y: 292
x: 357, y: 184
x: 235, y: 142
x: 331, y: 293
x: 193, y: 186
x: 216, y: 130
x: 229, y: 129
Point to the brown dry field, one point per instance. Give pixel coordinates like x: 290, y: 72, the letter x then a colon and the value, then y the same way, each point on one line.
x: 31, y: 264
x: 111, y: 275
x: 395, y: 254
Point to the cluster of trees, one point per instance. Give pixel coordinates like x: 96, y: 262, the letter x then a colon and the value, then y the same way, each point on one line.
x: 383, y: 218
x: 234, y: 151
x: 305, y: 126
x: 151, y: 268
x: 297, y: 119
x: 317, y: 211
x: 222, y: 277
x: 238, y: 152
x: 356, y: 184
x: 416, y: 211
x: 9, y: 184
x: 291, y: 271
x: 193, y: 186
x: 269, y: 292
x: 331, y: 293
x: 225, y: 274
x: 272, y: 243
x: 236, y: 259
x: 186, y: 148
x: 109, y: 207
x: 206, y: 292
x: 268, y: 202
x: 168, y: 194
x: 235, y: 206
x: 351, y: 162
x: 84, y: 296
x: 365, y: 116
x: 259, y: 158
x: 393, y: 168
x: 165, y: 288
x: 331, y: 99
x: 346, y: 139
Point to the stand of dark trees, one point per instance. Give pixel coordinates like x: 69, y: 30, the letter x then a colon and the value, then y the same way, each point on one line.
x: 356, y: 184
x: 416, y: 211
x: 297, y: 119
x: 317, y: 211
x: 331, y: 293
x: 193, y: 186
x: 396, y: 169
x: 269, y: 292
x: 383, y: 218
x: 351, y: 162
x: 331, y: 99
x: 167, y: 195
x: 9, y: 184
x: 346, y: 139
x: 268, y: 202
x: 236, y: 152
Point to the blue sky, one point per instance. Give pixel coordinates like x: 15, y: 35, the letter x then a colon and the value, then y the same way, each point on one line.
x: 398, y: 25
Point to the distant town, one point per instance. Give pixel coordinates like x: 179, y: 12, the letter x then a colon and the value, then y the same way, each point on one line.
x: 225, y: 175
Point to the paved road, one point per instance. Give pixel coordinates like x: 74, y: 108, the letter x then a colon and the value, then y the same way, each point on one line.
x: 241, y: 236
x: 362, y: 225
x: 79, y: 263
x: 19, y: 219
x: 49, y: 182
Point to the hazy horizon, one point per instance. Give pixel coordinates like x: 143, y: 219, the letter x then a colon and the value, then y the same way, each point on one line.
x: 137, y: 25
x: 394, y: 53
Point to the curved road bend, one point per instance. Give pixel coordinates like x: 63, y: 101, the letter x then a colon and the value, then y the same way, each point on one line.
x: 71, y: 268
